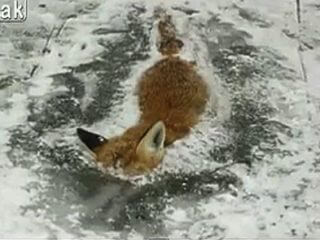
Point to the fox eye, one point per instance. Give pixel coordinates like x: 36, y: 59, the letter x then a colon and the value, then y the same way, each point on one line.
x: 116, y: 160
x: 118, y: 156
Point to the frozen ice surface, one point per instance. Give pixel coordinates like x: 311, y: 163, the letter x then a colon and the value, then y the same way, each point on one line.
x: 249, y: 170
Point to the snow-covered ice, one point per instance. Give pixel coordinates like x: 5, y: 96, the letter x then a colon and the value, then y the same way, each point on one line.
x: 249, y: 170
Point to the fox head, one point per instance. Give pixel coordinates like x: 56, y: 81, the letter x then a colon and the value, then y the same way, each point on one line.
x: 138, y: 150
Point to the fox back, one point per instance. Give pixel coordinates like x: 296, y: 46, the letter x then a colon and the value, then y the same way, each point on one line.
x: 172, y: 96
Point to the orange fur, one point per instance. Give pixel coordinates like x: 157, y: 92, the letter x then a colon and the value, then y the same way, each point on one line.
x: 170, y: 91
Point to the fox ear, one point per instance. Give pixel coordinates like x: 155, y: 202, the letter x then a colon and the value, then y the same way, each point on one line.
x: 91, y: 140
x: 153, y: 141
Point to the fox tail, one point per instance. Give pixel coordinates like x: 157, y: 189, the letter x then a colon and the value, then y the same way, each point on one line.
x: 168, y: 43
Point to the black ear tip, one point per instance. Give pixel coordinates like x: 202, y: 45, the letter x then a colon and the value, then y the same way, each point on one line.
x: 90, y: 139
x: 80, y: 131
x: 83, y: 134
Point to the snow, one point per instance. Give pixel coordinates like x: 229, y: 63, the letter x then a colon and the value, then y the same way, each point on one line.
x: 40, y: 198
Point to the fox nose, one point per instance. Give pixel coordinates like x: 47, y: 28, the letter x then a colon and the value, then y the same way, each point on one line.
x: 91, y: 140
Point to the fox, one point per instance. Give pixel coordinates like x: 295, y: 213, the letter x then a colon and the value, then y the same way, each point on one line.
x: 172, y: 96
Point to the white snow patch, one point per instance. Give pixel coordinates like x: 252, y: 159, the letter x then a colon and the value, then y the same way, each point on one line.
x: 272, y: 203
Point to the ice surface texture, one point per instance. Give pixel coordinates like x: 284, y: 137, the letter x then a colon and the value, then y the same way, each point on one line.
x: 251, y: 174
